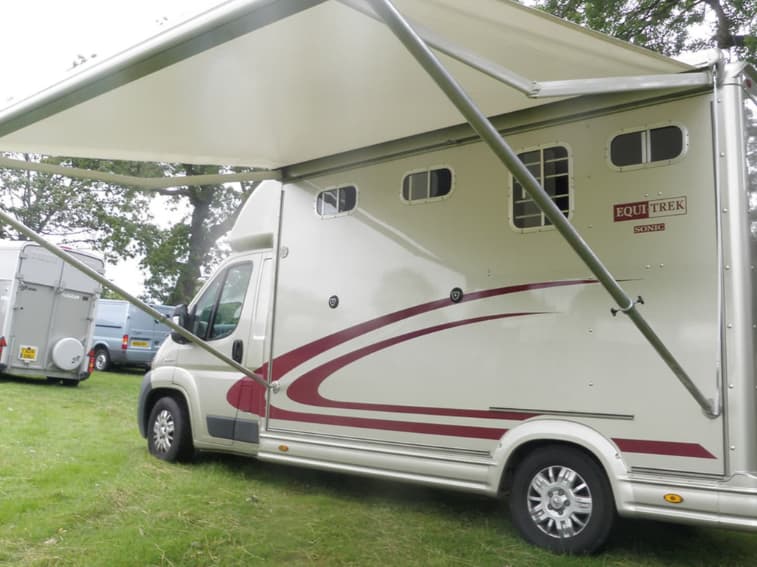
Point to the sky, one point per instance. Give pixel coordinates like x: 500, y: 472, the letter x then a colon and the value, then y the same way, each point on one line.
x: 41, y: 39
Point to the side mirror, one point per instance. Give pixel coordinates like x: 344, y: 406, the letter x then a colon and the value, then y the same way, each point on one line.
x: 181, y: 318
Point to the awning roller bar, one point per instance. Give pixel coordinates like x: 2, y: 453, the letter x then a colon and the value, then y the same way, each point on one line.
x: 140, y: 182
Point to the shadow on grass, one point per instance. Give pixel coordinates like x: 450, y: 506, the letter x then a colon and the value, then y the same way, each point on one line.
x: 342, y: 486
x: 50, y: 383
x: 632, y: 541
x: 678, y: 544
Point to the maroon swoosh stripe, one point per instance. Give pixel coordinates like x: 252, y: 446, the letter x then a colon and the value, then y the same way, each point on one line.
x: 671, y: 448
x: 286, y: 362
x: 305, y: 389
x: 247, y: 395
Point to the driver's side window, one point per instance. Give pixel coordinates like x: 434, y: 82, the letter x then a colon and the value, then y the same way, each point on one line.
x: 219, y: 309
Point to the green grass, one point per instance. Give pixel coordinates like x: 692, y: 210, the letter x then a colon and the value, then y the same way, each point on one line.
x: 77, y: 487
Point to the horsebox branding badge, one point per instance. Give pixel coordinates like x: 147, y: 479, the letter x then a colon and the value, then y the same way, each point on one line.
x: 639, y: 210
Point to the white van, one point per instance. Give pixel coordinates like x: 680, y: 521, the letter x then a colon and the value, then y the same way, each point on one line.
x: 418, y: 322
x: 46, y: 313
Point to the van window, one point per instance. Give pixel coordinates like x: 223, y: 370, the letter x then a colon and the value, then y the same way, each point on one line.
x: 651, y: 145
x: 218, y: 310
x: 336, y: 201
x: 423, y: 186
x: 111, y: 314
x: 550, y: 165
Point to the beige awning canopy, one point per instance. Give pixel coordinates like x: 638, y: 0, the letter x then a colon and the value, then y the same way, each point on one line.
x: 270, y: 83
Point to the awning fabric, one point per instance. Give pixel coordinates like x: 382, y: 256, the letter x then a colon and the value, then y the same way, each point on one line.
x: 271, y: 83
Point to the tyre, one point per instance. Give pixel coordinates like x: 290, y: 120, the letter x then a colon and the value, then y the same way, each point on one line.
x: 561, y: 500
x: 102, y: 359
x: 169, y: 436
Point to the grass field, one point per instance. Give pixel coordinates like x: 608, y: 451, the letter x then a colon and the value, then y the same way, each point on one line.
x: 77, y: 487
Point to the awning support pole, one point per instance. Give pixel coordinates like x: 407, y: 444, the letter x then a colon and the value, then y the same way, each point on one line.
x: 478, y: 121
x: 76, y: 263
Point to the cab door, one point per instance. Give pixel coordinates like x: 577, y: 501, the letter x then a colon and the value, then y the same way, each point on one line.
x: 221, y: 316
x: 246, y: 395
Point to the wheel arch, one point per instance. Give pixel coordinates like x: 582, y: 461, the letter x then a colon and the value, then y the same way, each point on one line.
x: 151, y: 393
x: 525, y: 438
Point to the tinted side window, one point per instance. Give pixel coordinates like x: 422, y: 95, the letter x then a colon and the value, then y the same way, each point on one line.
x: 218, y: 310
x: 647, y: 146
x: 230, y: 302
x: 626, y: 149
x: 427, y: 185
x: 665, y: 143
x: 336, y: 201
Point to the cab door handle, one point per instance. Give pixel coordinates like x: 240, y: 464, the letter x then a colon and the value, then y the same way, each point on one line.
x: 237, y: 350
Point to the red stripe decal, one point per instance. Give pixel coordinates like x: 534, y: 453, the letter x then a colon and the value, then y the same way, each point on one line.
x: 287, y: 361
x: 246, y: 395
x: 305, y: 389
x: 390, y: 425
x: 694, y: 450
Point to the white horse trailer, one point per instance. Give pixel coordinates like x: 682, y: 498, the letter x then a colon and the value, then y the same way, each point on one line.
x: 575, y: 328
x: 46, y: 313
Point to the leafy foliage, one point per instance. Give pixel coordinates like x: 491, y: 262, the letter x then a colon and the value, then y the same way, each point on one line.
x: 87, y: 213
x: 667, y: 26
x: 177, y: 257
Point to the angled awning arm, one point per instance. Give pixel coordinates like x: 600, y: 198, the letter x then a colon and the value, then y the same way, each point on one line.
x: 457, y: 52
x: 545, y: 89
x: 489, y: 134
x: 139, y: 182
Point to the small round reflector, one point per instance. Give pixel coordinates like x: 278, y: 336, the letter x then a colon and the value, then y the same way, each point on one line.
x: 673, y: 498
x: 283, y: 448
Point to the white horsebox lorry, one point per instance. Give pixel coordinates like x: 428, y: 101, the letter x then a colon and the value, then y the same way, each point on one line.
x: 495, y: 253
x: 46, y: 313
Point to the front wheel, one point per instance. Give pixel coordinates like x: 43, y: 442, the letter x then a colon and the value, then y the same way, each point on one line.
x: 169, y: 436
x: 561, y: 500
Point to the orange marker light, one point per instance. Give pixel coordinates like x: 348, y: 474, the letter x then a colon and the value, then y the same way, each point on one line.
x: 673, y: 498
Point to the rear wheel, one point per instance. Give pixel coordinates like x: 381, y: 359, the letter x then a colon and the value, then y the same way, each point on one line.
x: 169, y: 436
x: 102, y: 359
x: 561, y: 500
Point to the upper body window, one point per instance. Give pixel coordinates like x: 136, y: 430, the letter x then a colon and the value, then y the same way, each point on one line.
x: 550, y: 165
x: 218, y: 310
x: 427, y: 185
x: 647, y: 146
x: 336, y: 201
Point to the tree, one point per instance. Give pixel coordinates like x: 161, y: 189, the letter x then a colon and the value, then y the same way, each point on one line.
x: 179, y: 256
x: 667, y: 26
x: 71, y: 211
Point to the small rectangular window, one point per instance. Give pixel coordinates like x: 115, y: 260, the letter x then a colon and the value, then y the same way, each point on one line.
x: 427, y: 185
x: 648, y: 146
x: 665, y: 143
x: 627, y: 149
x: 551, y: 168
x: 336, y: 201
